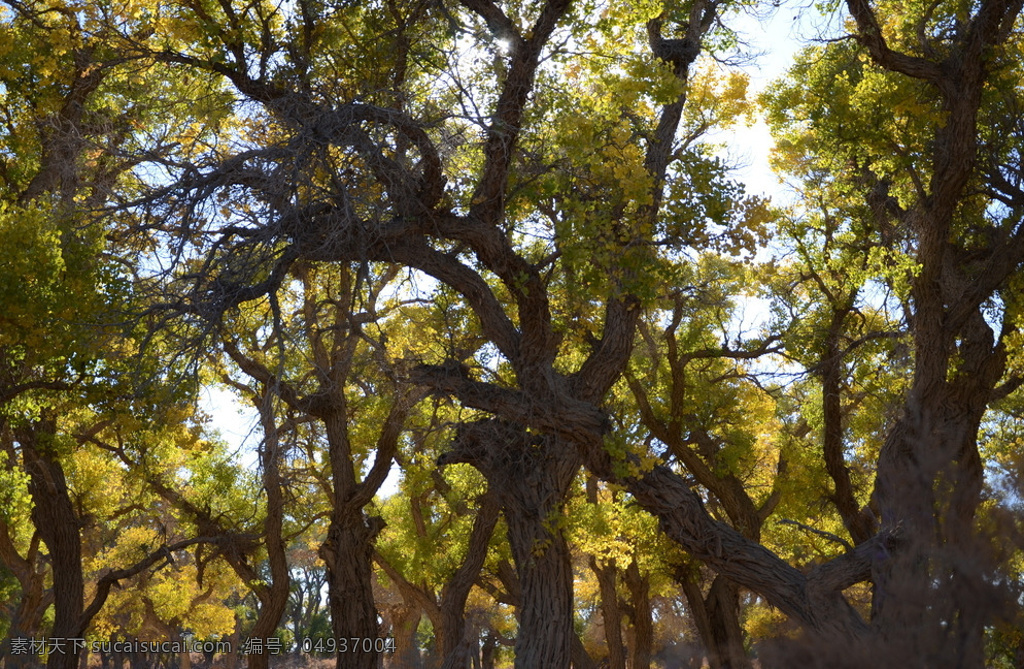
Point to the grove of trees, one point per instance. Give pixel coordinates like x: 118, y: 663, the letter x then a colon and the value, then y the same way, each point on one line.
x: 482, y: 276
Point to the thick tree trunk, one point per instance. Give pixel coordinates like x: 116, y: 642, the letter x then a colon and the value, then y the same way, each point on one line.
x: 404, y: 623
x: 54, y: 516
x: 932, y: 593
x: 932, y: 596
x: 531, y: 476
x: 725, y: 642
x: 543, y: 563
x: 348, y: 554
x: 348, y: 550
x: 611, y: 613
x: 716, y: 617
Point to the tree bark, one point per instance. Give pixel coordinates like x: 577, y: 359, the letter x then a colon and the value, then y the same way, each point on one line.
x: 27, y: 621
x: 931, y: 598
x: 611, y: 613
x: 640, y: 607
x: 531, y: 477
x: 274, y: 597
x: 543, y: 563
x: 405, y: 620
x: 725, y: 642
x: 54, y: 516
x: 454, y: 644
x: 580, y: 658
x: 348, y: 554
x: 716, y: 617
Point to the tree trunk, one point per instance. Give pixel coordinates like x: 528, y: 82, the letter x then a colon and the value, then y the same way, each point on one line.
x: 531, y: 476
x: 544, y: 640
x: 717, y: 620
x: 580, y: 658
x: 610, y: 613
x: 234, y: 643
x: 487, y: 648
x: 453, y: 643
x: 725, y: 644
x: 27, y: 620
x: 348, y: 554
x: 932, y: 596
x: 404, y: 623
x: 643, y: 625
x: 273, y: 598
x: 54, y: 516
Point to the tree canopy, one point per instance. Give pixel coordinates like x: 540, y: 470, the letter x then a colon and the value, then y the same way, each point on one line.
x: 478, y: 271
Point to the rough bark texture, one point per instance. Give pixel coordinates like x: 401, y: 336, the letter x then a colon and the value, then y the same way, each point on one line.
x: 725, y: 633
x: 531, y: 477
x: 929, y: 466
x: 931, y: 598
x: 640, y: 611
x: 332, y: 334
x: 455, y: 642
x: 348, y: 550
x: 405, y: 620
x: 54, y: 516
x: 27, y: 620
x: 611, y: 613
x: 274, y: 596
x: 348, y: 553
x: 457, y: 646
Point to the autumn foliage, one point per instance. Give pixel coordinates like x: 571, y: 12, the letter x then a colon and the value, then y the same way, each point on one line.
x: 530, y: 377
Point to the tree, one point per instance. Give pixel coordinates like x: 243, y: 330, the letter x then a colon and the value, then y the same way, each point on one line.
x: 391, y: 205
x: 327, y: 367
x: 935, y: 182
x: 64, y: 342
x: 529, y: 159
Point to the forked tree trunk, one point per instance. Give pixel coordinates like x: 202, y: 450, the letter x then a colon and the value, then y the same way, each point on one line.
x: 725, y: 642
x: 531, y: 476
x: 28, y: 616
x: 454, y: 644
x: 934, y: 595
x: 717, y: 619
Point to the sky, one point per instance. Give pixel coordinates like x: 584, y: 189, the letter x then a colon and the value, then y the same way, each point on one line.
x: 777, y: 39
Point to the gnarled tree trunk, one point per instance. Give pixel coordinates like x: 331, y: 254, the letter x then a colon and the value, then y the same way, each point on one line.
x: 640, y: 609
x: 531, y: 477
x: 274, y: 597
x: 348, y: 554
x: 54, y: 516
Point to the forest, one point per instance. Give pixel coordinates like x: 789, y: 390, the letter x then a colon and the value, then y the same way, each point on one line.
x: 532, y: 378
